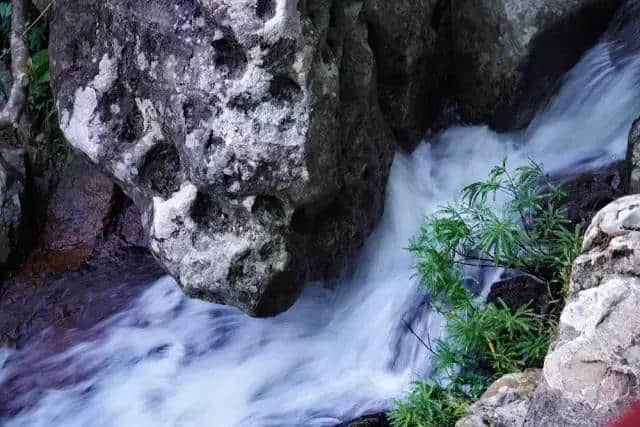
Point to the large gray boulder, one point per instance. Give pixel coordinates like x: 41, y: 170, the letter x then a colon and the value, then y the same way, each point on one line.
x: 508, y: 54
x: 247, y: 132
x: 593, y: 369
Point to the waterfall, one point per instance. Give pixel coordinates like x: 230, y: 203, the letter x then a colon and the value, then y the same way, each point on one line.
x: 342, y: 350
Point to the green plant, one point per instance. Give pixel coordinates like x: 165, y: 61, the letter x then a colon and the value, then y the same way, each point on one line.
x: 430, y: 405
x: 513, y: 220
x: 527, y: 231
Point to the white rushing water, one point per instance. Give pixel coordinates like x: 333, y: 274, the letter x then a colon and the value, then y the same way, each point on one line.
x: 171, y: 361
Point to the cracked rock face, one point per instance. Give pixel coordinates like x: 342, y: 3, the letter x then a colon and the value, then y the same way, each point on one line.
x: 247, y: 132
x: 509, y: 53
x: 12, y: 197
x: 593, y: 370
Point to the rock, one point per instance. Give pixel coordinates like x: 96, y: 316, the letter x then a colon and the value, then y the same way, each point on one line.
x: 126, y: 228
x: 13, y: 220
x: 505, y: 403
x: 623, y: 34
x: 593, y: 368
x: 632, y: 175
x: 412, y: 63
x: 591, y: 190
x: 86, y: 215
x: 101, y: 287
x: 78, y: 211
x: 248, y: 133
x: 373, y: 420
x: 521, y: 290
x: 67, y: 311
x: 509, y: 54
x: 609, y: 247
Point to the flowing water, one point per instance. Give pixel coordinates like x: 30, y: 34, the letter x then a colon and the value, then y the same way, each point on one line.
x: 341, y: 351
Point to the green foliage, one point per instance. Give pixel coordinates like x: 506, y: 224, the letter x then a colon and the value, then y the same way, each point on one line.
x: 430, y: 405
x: 5, y: 27
x: 492, y: 339
x: 513, y: 220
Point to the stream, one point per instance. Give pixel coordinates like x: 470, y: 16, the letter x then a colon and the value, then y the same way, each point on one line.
x: 344, y: 349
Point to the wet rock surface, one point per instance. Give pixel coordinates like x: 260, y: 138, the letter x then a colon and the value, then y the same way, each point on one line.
x: 588, y: 191
x: 410, y: 40
x: 591, y: 372
x: 521, y: 290
x: 78, y: 299
x: 67, y: 310
x: 509, y: 54
x: 86, y: 215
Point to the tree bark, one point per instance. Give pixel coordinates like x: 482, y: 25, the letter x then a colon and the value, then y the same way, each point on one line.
x: 10, y: 114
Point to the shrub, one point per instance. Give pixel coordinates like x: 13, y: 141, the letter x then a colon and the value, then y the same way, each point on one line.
x: 513, y: 220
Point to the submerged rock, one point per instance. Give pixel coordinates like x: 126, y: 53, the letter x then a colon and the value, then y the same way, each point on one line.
x: 69, y: 310
x: 87, y: 215
x: 593, y: 369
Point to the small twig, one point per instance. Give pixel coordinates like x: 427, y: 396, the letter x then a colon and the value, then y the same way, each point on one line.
x: 40, y: 16
x: 471, y: 264
x: 33, y: 24
x: 424, y: 344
